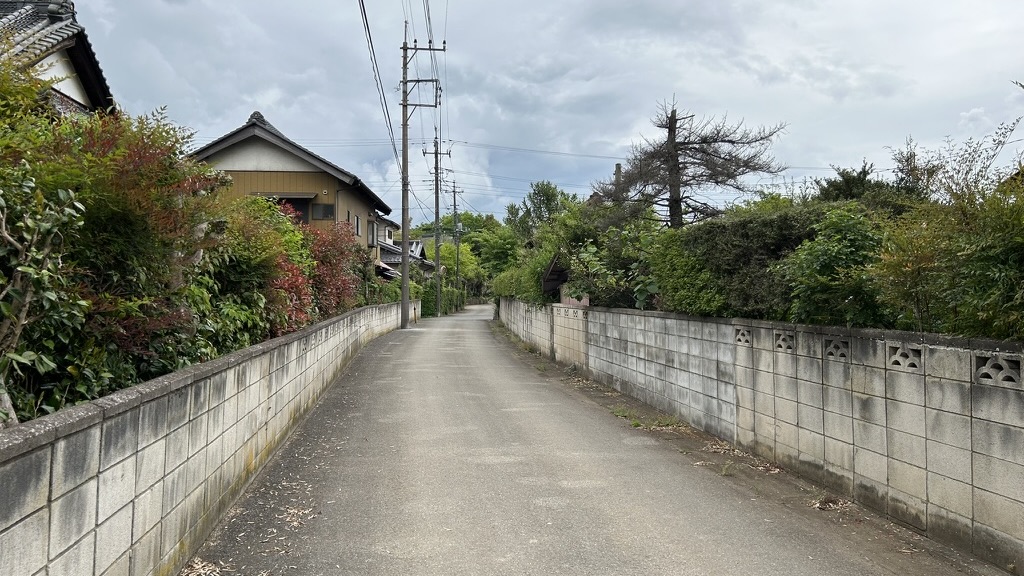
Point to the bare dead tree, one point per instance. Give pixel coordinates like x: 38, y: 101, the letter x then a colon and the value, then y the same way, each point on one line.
x: 697, y: 155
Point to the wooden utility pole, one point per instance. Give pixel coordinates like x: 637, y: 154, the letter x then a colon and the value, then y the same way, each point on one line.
x: 458, y: 233
x: 407, y: 53
x: 437, y: 222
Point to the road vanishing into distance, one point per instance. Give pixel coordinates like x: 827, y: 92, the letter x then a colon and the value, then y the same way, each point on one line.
x: 446, y: 449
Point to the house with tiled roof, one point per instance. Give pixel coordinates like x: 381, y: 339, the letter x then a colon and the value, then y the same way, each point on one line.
x: 262, y: 161
x: 48, y: 36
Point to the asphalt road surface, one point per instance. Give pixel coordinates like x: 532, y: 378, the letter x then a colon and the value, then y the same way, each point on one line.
x: 445, y: 449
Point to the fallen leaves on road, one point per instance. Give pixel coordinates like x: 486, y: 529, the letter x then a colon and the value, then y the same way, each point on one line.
x: 721, y: 447
x: 765, y: 466
x: 829, y: 503
x: 200, y: 567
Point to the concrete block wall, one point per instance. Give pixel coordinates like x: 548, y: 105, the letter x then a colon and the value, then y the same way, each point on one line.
x: 132, y: 484
x: 569, y: 335
x: 926, y: 429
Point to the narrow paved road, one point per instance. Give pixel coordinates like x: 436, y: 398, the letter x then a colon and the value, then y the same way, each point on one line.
x: 443, y: 452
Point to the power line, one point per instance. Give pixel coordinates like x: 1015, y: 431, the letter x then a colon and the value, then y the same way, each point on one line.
x: 377, y: 81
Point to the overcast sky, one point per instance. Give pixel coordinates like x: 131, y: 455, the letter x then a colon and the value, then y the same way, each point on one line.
x: 579, y: 78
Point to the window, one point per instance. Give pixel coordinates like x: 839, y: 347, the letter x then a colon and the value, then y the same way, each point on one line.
x: 390, y: 235
x: 323, y: 211
x: 359, y: 226
x: 371, y: 234
x: 348, y: 216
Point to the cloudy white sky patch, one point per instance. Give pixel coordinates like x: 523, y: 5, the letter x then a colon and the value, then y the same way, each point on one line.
x: 576, y: 77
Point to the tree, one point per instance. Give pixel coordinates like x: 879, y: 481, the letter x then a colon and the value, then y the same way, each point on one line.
x: 695, y: 155
x: 541, y: 205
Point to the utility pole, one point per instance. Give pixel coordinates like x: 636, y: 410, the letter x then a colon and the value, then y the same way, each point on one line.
x: 437, y: 222
x: 458, y: 234
x: 407, y: 53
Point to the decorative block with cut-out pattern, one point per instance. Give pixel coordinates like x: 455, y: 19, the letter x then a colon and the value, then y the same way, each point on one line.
x: 785, y: 342
x: 837, y: 349
x: 906, y: 357
x: 996, y: 370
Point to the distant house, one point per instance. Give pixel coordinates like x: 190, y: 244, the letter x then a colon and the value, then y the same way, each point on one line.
x: 47, y: 35
x: 391, y: 257
x: 264, y: 162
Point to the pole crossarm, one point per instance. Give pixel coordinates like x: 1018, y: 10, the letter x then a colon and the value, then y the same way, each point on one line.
x: 408, y: 52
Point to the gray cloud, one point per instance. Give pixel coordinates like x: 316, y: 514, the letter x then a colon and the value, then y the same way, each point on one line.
x: 576, y: 76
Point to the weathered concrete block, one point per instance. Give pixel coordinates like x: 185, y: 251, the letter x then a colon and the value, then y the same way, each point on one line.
x: 149, y: 465
x: 764, y: 404
x: 744, y: 358
x: 868, y: 352
x: 951, y: 495
x: 76, y: 458
x: 197, y: 434
x: 870, y: 436
x: 948, y: 428
x: 71, y: 517
x: 745, y: 438
x: 949, y: 461
x: 839, y: 455
x: 120, y: 438
x: 764, y: 382
x: 905, y: 387
x: 175, y: 487
x: 909, y: 418
x: 908, y: 508
x: 837, y: 374
x: 20, y: 544
x: 745, y: 419
x: 871, y: 465
x: 786, y: 411
x: 998, y: 548
x: 788, y: 434
x: 870, y: 493
x: 997, y: 404
x: 147, y: 512
x: 200, y: 401
x: 808, y: 369
x: 764, y: 426
x: 152, y: 421
x: 837, y: 400
x: 76, y: 561
x: 785, y: 365
x: 998, y: 440
x: 764, y: 360
x: 786, y: 388
x: 745, y: 398
x: 763, y: 339
x: 812, y: 446
x: 176, y: 448
x: 810, y: 393
x: 999, y: 476
x: 869, y: 409
x: 839, y: 427
x: 999, y: 513
x: 120, y: 567
x: 867, y: 380
x: 146, y: 553
x: 24, y: 486
x: 708, y: 367
x: 811, y: 419
x: 909, y: 479
x: 907, y: 448
x: 113, y: 539
x: 195, y: 470
x: 948, y: 363
x: 116, y: 488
